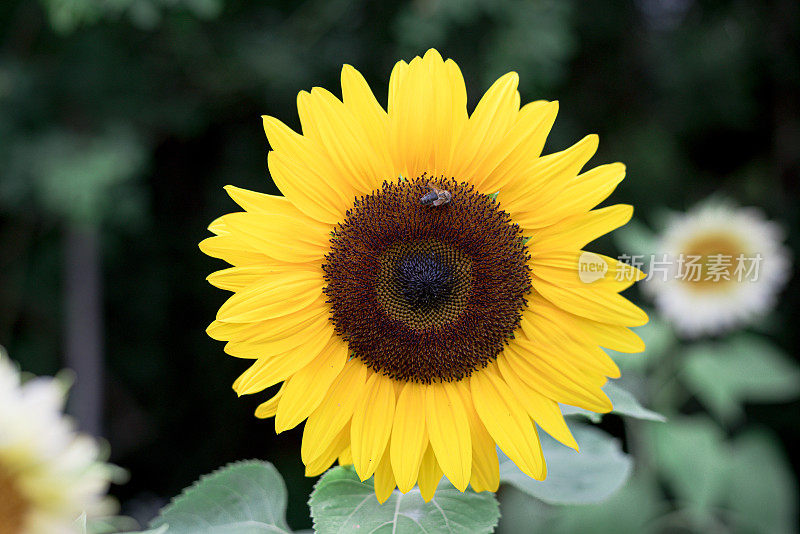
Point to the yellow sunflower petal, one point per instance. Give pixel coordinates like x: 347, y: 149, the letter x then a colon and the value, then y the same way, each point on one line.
x: 552, y: 382
x: 545, y: 337
x: 271, y: 369
x: 384, y: 479
x: 238, y: 278
x: 372, y: 425
x: 429, y: 475
x: 255, y: 202
x: 580, y: 195
x: 485, y: 464
x: 217, y: 226
x: 510, y: 159
x: 305, y: 176
x: 582, y: 330
x: 569, y: 363
x: 544, y: 411
x: 308, y: 386
x: 448, y: 430
x: 567, y: 269
x: 272, y: 329
x: 540, y: 186
x: 346, y: 456
x: 614, y: 337
x: 450, y: 108
x: 334, y: 411
x: 253, y: 348
x: 232, y: 250
x: 399, y: 72
x: 261, y: 202
x: 592, y: 303
x: 410, y: 124
x: 222, y: 331
x: 338, y: 134
x: 487, y: 126
x: 507, y: 421
x: 576, y: 231
x: 296, y: 290
x: 270, y: 408
x: 457, y: 106
x: 365, y: 109
x: 426, y: 114
x: 409, y: 435
x: 321, y: 463
x: 279, y: 236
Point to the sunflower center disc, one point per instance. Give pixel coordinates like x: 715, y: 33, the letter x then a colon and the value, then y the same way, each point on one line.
x: 423, y: 292
x: 13, y: 506
x: 423, y: 283
x: 423, y: 279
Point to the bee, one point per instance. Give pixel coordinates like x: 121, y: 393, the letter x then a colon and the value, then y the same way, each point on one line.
x: 436, y: 196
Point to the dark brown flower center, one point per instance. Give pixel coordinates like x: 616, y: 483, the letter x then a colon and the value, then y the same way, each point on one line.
x: 424, y: 292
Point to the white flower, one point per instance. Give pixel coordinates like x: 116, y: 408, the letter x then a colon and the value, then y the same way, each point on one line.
x: 49, y: 474
x: 718, y: 267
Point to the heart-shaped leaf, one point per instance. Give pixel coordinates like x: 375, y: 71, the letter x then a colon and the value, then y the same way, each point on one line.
x: 589, y: 476
x: 342, y: 504
x: 242, y: 498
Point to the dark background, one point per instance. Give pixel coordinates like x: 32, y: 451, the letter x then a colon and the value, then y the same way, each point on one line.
x: 121, y: 121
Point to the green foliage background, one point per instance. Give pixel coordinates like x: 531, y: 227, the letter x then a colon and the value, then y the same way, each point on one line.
x: 130, y: 116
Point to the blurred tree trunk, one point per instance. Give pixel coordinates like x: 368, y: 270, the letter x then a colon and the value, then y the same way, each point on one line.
x: 84, y: 324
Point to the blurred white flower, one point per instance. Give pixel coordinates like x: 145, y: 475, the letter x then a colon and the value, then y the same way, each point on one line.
x: 49, y: 473
x: 718, y: 267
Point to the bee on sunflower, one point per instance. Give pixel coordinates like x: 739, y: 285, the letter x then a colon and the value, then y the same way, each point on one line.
x: 416, y: 290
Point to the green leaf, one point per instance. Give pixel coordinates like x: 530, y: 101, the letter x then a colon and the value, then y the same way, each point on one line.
x: 762, y: 492
x: 693, y: 457
x: 593, y: 417
x: 631, y: 509
x: 523, y: 513
x: 110, y: 525
x: 341, y: 503
x: 589, y: 476
x: 745, y: 368
x: 160, y: 530
x: 241, y: 498
x: 624, y: 404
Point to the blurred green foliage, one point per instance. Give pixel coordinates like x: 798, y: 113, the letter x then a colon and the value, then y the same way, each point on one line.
x: 130, y: 115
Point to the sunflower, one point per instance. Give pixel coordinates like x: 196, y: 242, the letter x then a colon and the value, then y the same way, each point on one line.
x: 49, y: 475
x: 721, y: 266
x: 416, y: 291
